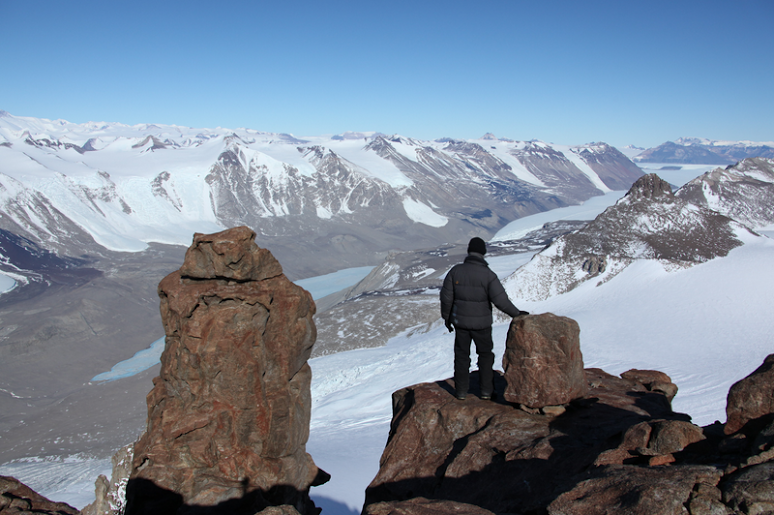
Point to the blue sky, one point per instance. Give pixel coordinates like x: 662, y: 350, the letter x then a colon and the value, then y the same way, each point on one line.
x: 568, y: 72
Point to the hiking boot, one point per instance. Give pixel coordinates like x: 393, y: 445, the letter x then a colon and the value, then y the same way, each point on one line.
x: 486, y: 396
x: 461, y: 396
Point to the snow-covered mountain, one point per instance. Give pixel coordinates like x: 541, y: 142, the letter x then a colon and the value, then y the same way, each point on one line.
x: 351, y: 196
x: 705, y: 151
x: 744, y: 192
x: 705, y: 219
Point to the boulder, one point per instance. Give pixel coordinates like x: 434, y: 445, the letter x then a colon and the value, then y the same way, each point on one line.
x: 643, y: 491
x: 655, y: 440
x: 670, y: 436
x: 228, y: 416
x: 230, y: 254
x: 751, y: 397
x: 653, y: 380
x: 16, y: 498
x: 543, y: 362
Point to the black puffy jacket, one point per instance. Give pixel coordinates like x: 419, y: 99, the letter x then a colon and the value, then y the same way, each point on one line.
x: 469, y: 290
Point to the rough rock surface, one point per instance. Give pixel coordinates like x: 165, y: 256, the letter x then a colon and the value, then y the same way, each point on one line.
x: 543, y: 362
x: 228, y: 417
x: 110, y: 495
x: 653, y: 380
x: 422, y: 506
x: 752, y: 397
x: 641, y: 491
x: 619, y: 449
x: 18, y: 499
x: 751, y: 490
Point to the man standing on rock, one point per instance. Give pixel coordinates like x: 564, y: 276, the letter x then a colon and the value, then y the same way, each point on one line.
x: 469, y: 290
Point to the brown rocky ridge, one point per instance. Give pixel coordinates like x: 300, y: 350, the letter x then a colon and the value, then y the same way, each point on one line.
x: 228, y: 417
x: 618, y: 448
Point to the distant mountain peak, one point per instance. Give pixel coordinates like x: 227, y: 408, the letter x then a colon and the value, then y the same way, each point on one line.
x: 650, y: 186
x: 489, y: 136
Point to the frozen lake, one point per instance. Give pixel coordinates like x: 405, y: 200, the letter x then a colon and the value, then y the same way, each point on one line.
x: 323, y: 285
x: 318, y: 286
x: 6, y: 283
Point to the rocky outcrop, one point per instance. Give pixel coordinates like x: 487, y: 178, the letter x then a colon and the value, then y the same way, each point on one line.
x: 618, y: 449
x: 751, y: 398
x: 648, y: 223
x: 110, y: 495
x: 498, y: 457
x: 16, y: 498
x: 750, y: 490
x: 543, y: 362
x: 228, y: 417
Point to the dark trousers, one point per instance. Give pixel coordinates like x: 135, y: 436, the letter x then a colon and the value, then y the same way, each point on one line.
x: 484, y: 344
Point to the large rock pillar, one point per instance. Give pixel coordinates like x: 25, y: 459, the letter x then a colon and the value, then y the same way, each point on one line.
x: 228, y: 416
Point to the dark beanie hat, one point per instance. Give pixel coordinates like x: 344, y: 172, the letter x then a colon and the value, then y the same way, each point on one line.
x: 477, y: 245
